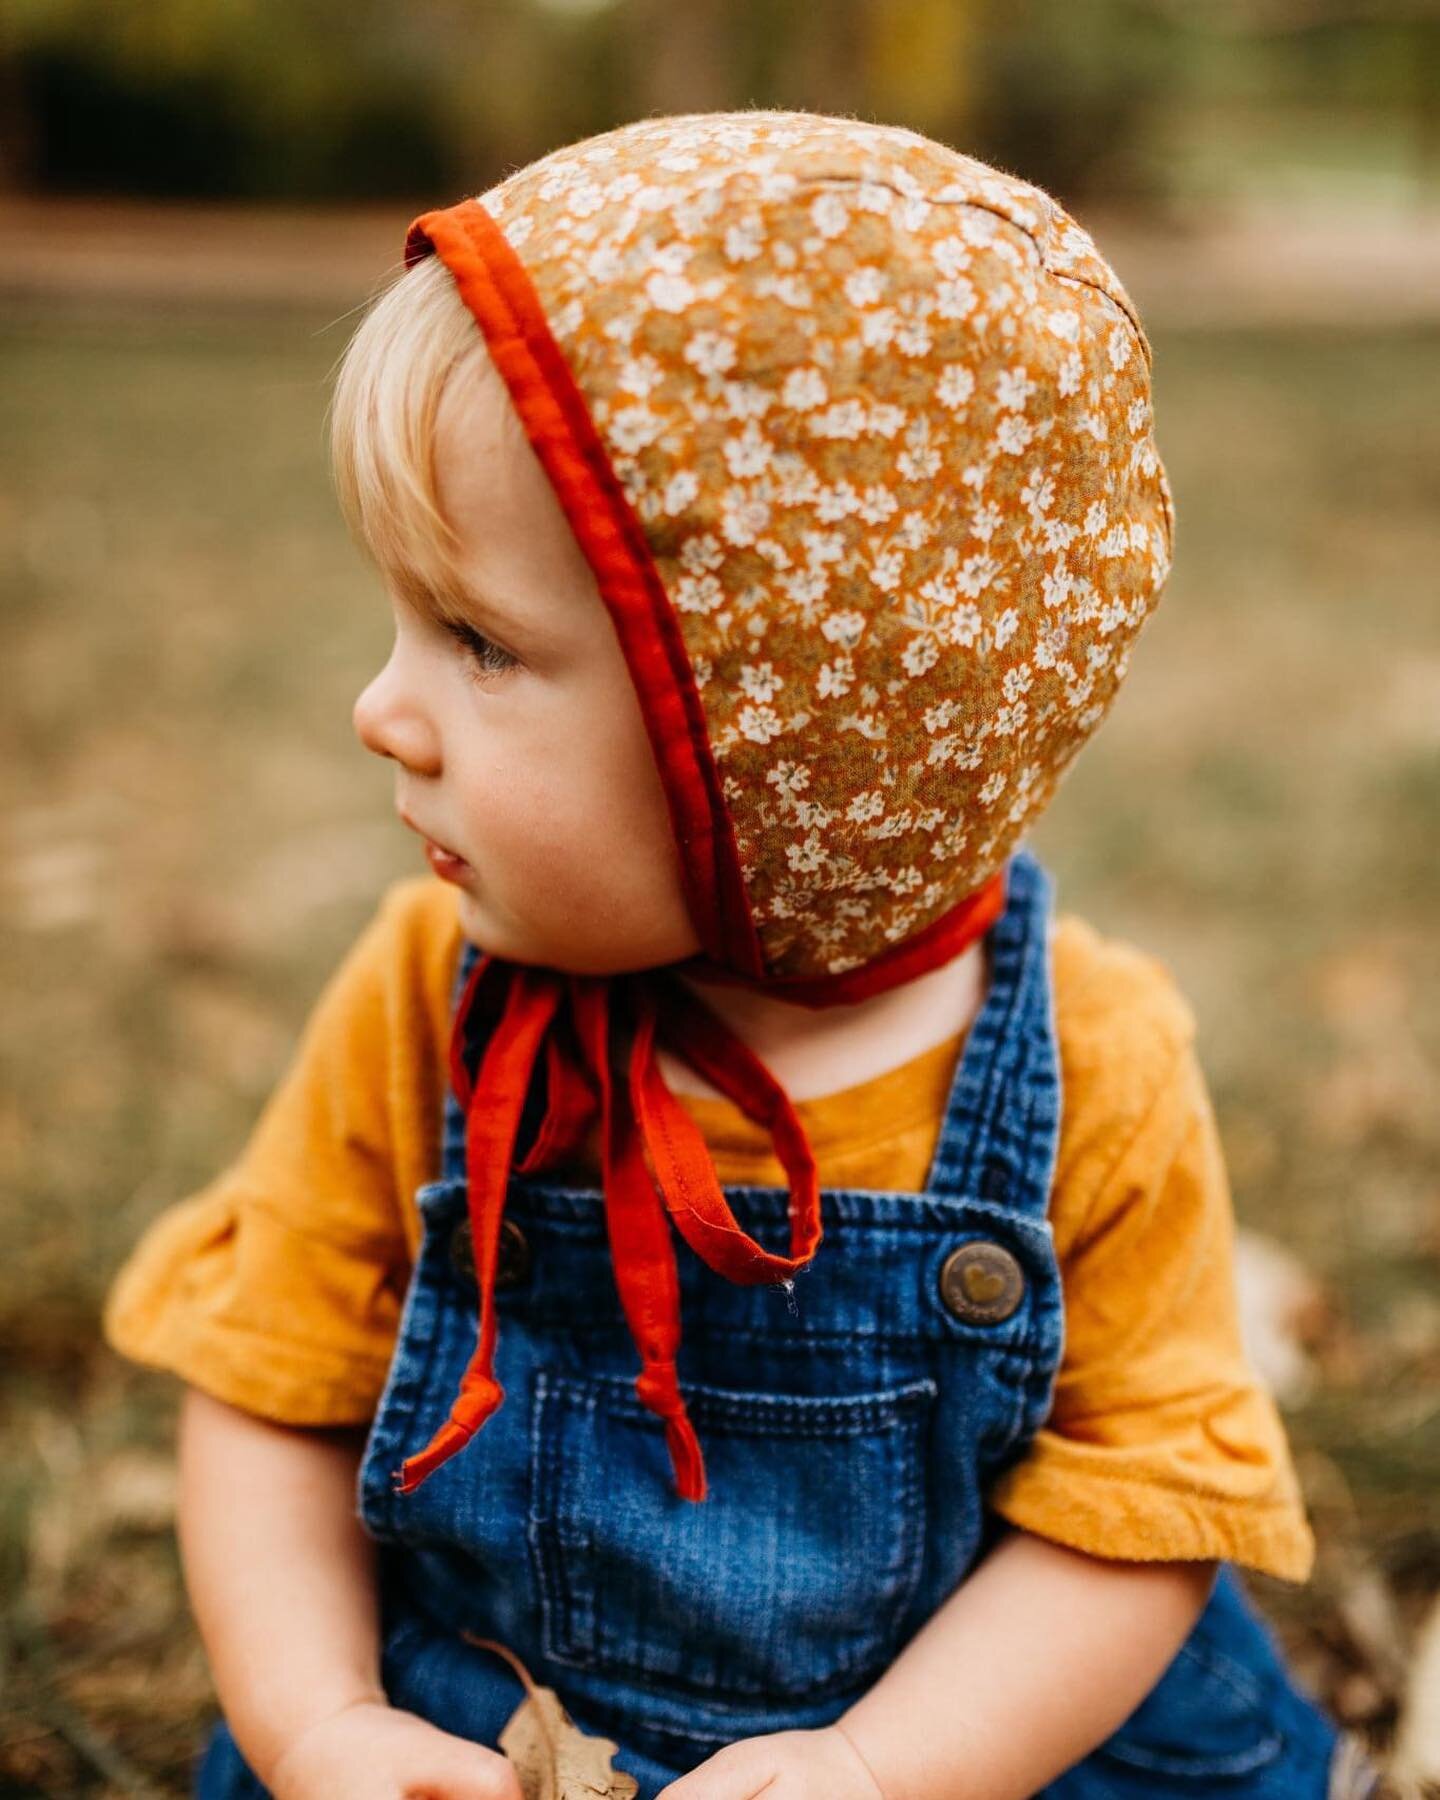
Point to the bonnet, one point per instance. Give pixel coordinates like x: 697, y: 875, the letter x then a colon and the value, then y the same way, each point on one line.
x: 855, y: 433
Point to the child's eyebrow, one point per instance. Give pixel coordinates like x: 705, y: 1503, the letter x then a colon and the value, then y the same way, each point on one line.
x: 468, y: 607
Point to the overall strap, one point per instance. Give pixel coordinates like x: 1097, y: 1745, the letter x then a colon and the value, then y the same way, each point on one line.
x: 452, y: 1136
x: 1001, y: 1128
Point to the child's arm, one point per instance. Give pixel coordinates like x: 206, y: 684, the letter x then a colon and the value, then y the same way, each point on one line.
x: 1034, y: 1660
x: 281, y: 1578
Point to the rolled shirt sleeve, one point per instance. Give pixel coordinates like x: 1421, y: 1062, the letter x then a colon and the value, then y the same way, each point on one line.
x: 278, y: 1287
x: 1162, y: 1442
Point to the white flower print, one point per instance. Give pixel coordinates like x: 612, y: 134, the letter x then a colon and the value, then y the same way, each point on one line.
x: 702, y: 551
x: 803, y: 389
x: 745, y: 399
x: 964, y: 626
x: 991, y: 789
x: 976, y: 574
x: 838, y: 501
x: 680, y: 490
x: 760, y: 681
x: 749, y: 454
x: 830, y: 215
x: 807, y: 858
x: 639, y: 375
x: 704, y: 595
x: 743, y: 517
x: 795, y: 482
x: 869, y: 805
x: 633, y: 427
x: 956, y: 299
x: 1038, y: 495
x: 834, y: 678
x: 913, y: 339
x: 807, y: 813
x: 670, y: 293
x: 877, y: 329
x: 985, y: 521
x: 759, y: 724
x: 711, y: 352
x: 920, y: 654
x: 914, y: 531
x: 955, y: 386
x: 862, y: 286
x: 744, y: 240
x: 1050, y: 645
x: 886, y: 570
x: 1013, y: 434
x: 822, y: 547
x: 1056, y: 584
x: 843, y: 628
x: 788, y: 777
x: 846, y: 419
x: 774, y: 552
x: 806, y: 587
x: 876, y: 505
x: 919, y: 464
x: 1013, y: 388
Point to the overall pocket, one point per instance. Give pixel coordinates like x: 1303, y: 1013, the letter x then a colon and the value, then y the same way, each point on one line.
x: 792, y: 1577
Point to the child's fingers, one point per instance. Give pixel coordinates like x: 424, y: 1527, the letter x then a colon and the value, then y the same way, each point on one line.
x: 737, y: 1772
x: 450, y: 1768
x: 377, y: 1752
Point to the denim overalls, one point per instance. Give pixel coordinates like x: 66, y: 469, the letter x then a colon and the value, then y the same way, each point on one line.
x: 850, y: 1430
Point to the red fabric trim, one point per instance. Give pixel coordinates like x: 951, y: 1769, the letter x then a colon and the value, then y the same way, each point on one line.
x: 941, y: 941
x: 497, y: 289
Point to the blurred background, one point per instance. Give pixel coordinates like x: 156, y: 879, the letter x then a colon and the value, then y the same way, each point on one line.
x: 196, y: 202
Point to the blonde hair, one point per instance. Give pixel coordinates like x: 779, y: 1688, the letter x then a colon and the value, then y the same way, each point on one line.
x: 417, y: 337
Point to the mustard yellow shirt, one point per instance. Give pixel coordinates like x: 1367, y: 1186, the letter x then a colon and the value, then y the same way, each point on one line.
x: 278, y: 1287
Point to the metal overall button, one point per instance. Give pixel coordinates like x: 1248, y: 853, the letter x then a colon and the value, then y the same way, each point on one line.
x: 981, y: 1282
x: 512, y: 1264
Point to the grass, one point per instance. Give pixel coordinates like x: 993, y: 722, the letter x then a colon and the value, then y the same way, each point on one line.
x: 192, y: 837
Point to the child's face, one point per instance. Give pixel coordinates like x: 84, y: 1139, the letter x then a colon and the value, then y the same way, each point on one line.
x: 521, y: 747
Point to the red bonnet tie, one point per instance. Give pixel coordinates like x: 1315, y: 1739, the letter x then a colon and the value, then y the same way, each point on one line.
x: 517, y: 1007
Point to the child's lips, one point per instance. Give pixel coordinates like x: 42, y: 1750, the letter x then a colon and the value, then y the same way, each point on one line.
x: 444, y: 862
x: 446, y: 865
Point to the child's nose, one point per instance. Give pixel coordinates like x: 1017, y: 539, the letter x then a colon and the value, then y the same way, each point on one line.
x: 391, y: 725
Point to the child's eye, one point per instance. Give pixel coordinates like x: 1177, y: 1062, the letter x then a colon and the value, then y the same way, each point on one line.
x: 486, y: 655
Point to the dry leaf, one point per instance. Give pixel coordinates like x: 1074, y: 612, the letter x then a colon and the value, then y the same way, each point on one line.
x: 553, y: 1757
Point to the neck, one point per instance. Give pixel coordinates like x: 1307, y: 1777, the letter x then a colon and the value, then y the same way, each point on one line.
x: 814, y: 1051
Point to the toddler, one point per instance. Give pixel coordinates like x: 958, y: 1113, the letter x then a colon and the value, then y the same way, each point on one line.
x: 768, y: 505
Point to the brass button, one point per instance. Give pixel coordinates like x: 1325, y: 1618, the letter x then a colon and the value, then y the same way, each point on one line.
x: 512, y: 1264
x: 981, y: 1282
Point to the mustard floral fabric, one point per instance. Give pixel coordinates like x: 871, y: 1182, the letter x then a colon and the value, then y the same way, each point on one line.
x: 884, y: 415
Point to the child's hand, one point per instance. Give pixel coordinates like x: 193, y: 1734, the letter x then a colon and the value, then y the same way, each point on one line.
x: 784, y: 1765
x: 371, y: 1751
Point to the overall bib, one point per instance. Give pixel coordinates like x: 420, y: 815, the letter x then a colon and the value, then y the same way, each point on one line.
x: 851, y: 1428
